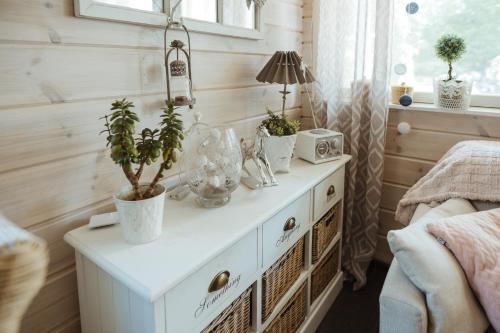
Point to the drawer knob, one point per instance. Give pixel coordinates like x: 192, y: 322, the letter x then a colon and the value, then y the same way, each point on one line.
x: 331, y: 191
x: 219, y: 281
x: 289, y: 224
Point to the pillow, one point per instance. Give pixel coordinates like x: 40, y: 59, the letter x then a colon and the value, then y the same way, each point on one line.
x: 474, y: 239
x: 433, y: 269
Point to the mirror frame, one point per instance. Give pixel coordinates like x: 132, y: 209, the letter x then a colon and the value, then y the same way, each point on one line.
x: 98, y: 10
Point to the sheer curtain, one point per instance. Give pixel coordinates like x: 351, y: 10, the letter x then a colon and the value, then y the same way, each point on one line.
x: 353, y: 66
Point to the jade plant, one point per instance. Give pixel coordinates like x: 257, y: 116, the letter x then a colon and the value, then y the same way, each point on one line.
x: 280, y: 125
x: 450, y: 48
x: 134, y: 152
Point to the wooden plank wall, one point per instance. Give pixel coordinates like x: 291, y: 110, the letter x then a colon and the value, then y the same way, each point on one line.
x: 58, y: 74
x: 308, y: 58
x: 408, y: 157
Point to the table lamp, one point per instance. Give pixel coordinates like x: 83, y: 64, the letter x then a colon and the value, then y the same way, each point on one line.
x: 285, y: 67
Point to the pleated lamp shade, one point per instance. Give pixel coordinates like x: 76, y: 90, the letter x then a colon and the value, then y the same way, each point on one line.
x: 285, y: 67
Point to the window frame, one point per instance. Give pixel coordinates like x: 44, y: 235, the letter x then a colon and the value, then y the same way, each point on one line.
x: 108, y: 12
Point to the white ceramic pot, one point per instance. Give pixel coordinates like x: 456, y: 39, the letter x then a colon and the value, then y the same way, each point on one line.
x: 279, y: 151
x: 141, y: 221
x: 452, y: 95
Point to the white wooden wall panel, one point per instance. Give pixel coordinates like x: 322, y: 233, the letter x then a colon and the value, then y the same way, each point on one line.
x: 58, y: 74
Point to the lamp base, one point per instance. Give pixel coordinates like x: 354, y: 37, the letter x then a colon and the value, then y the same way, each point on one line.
x: 284, y: 92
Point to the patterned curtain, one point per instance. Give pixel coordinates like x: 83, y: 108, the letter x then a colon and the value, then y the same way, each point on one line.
x: 352, y: 65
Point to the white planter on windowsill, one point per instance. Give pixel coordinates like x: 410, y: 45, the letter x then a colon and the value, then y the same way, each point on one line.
x: 141, y: 221
x: 453, y: 95
x: 279, y: 151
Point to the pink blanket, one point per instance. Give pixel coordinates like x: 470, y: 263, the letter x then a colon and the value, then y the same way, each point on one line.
x: 474, y: 239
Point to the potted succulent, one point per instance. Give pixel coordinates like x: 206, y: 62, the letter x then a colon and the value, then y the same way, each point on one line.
x: 450, y: 93
x: 140, y: 205
x: 279, y: 146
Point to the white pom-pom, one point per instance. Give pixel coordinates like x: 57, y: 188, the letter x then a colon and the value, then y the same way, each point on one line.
x: 404, y: 128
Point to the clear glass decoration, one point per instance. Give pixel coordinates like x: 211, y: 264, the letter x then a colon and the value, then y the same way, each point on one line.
x: 212, y: 163
x: 452, y: 95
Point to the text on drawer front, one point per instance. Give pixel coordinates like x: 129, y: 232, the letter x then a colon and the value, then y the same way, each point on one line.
x: 289, y: 228
x: 220, y: 284
x: 330, y: 192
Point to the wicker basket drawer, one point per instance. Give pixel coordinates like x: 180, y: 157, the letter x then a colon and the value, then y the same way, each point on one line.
x: 325, y: 272
x: 281, y: 276
x: 324, y: 231
x: 236, y: 318
x: 292, y: 315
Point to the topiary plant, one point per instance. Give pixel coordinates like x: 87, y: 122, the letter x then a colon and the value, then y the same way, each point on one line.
x: 280, y: 125
x: 129, y: 151
x: 450, y: 48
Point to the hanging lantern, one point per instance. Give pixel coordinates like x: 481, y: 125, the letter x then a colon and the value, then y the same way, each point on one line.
x: 178, y: 70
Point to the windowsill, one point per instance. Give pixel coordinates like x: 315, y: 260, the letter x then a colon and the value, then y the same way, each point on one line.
x: 473, y: 110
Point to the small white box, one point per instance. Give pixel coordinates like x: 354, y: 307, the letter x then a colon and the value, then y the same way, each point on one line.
x: 319, y: 145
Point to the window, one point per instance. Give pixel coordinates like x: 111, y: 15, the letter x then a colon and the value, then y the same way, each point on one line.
x: 204, y: 10
x: 228, y: 12
x: 224, y: 17
x: 416, y: 34
x: 147, y: 5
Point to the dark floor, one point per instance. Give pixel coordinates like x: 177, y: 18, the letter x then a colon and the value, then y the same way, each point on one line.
x: 356, y: 311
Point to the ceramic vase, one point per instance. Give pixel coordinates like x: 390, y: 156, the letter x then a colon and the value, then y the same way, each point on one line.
x: 279, y: 151
x: 142, y: 220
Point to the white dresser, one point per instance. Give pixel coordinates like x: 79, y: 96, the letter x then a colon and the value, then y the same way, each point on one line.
x: 163, y: 286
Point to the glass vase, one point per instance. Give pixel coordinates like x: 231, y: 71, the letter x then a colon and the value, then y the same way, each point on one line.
x: 212, y: 164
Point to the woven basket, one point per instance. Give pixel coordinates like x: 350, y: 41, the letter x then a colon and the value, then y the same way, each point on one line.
x: 292, y: 315
x: 235, y: 318
x: 23, y: 267
x: 280, y: 277
x: 324, y: 231
x: 325, y: 272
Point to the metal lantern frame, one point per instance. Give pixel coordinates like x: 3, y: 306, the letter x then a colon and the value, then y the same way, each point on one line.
x: 171, y: 25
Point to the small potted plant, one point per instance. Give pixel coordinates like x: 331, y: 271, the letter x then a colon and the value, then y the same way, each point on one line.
x: 279, y: 146
x: 450, y: 93
x: 140, y: 206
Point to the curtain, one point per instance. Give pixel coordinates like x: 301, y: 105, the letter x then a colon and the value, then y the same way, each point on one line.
x: 353, y: 67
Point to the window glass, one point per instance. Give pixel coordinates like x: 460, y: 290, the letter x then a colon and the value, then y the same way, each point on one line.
x: 237, y: 13
x: 148, y: 5
x: 204, y: 10
x: 417, y: 28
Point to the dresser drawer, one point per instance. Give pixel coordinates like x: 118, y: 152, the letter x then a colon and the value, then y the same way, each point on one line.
x: 284, y: 229
x: 206, y: 293
x: 328, y: 192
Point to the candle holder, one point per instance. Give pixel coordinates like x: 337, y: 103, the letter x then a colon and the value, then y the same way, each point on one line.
x: 178, y: 71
